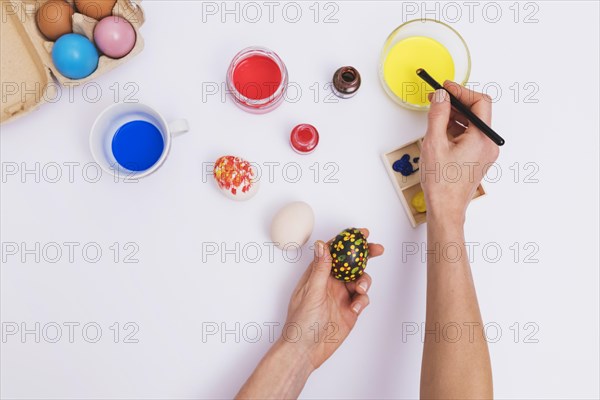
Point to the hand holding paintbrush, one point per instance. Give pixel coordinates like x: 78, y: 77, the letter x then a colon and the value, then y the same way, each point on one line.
x: 463, y: 109
x: 455, y: 154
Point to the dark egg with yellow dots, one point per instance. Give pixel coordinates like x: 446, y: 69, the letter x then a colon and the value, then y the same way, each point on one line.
x: 349, y: 254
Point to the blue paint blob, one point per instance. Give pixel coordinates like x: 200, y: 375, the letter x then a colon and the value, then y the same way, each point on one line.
x: 404, y: 166
x: 137, y: 145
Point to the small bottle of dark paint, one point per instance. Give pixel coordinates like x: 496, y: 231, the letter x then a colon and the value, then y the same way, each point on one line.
x: 346, y: 81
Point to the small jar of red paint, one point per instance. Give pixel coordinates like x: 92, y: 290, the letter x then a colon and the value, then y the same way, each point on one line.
x: 304, y: 138
x: 257, y: 79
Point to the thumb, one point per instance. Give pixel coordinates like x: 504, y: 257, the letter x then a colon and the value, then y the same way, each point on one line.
x: 438, y: 117
x: 320, y: 267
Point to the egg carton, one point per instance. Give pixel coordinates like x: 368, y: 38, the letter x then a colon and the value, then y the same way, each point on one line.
x: 28, y: 74
x: 408, y: 186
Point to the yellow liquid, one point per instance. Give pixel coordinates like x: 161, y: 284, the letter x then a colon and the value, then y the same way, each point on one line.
x: 410, y: 54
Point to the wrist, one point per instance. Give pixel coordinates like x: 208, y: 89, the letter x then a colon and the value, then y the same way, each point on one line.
x: 281, y: 374
x: 448, y: 207
x: 296, y: 357
x: 445, y: 227
x: 446, y: 218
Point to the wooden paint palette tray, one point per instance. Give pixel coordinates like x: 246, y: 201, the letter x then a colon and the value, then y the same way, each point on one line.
x: 27, y: 71
x: 409, y: 186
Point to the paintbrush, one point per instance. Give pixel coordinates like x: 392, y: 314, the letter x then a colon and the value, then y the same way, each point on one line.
x: 464, y: 110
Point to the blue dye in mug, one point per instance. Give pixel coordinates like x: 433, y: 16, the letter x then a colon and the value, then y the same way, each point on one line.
x: 137, y: 145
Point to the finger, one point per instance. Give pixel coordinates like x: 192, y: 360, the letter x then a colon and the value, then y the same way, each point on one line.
x: 320, y: 267
x: 360, y: 286
x: 375, y: 249
x: 351, y: 288
x: 438, y: 116
x: 455, y: 129
x: 479, y: 103
x: 458, y: 117
x: 363, y: 284
x: 359, y: 303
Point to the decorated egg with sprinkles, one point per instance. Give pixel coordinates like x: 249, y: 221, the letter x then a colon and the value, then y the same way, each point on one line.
x: 349, y: 253
x: 236, y: 177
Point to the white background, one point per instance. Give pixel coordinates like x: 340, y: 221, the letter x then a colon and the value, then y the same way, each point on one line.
x: 171, y: 293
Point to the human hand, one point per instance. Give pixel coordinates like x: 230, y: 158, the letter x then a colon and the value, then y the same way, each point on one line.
x: 455, y: 154
x: 325, y: 309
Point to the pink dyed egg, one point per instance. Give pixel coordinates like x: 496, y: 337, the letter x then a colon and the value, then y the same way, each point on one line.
x: 114, y: 36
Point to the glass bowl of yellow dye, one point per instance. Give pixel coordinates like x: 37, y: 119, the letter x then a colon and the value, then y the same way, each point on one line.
x: 422, y: 43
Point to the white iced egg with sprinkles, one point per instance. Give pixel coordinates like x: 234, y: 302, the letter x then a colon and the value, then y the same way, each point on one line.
x: 236, y: 177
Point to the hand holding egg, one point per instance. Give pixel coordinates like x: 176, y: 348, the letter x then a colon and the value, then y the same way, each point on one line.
x: 319, y: 299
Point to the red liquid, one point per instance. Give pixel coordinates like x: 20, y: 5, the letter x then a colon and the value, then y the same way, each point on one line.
x: 257, y: 77
x: 304, y: 138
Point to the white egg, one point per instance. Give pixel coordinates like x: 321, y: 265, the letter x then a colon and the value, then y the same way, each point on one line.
x: 292, y: 225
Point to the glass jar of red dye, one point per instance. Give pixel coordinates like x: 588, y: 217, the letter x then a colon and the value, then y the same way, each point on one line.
x: 257, y: 79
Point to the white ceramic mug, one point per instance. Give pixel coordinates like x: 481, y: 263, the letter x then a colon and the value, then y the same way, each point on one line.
x: 117, y: 115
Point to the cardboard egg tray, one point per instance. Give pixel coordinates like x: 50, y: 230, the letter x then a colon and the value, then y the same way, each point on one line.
x: 27, y: 73
x: 408, y: 186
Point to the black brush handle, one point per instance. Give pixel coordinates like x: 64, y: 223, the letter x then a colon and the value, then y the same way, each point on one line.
x: 460, y: 107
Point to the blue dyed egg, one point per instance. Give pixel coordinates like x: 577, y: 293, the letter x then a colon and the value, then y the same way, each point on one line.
x: 75, y: 56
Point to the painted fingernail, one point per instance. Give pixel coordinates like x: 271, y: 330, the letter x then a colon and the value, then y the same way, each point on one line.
x: 364, y: 285
x: 319, y: 250
x: 356, y: 308
x: 439, y: 96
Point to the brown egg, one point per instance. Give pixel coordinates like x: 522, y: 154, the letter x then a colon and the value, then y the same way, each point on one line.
x: 96, y: 9
x: 54, y: 19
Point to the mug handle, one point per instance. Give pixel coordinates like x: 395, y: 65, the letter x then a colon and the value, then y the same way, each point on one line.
x: 178, y: 127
